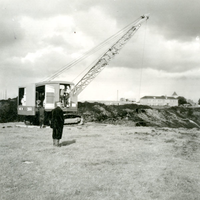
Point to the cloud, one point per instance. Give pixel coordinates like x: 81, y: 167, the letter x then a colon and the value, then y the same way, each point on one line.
x: 39, y: 38
x: 173, y: 19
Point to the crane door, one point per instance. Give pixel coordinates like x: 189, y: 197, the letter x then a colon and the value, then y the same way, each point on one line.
x: 49, y: 102
x: 26, y: 103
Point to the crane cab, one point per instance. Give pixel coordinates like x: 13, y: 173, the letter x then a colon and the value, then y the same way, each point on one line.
x: 46, y: 94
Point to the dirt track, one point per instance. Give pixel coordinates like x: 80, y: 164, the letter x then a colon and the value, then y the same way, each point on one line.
x: 99, y: 161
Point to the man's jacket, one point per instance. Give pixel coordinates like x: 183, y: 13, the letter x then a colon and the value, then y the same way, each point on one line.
x: 57, y: 118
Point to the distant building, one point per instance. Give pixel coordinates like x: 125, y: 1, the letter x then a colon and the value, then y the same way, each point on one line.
x: 175, y: 95
x: 159, y: 101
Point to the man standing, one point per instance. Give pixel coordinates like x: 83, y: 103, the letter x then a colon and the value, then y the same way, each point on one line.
x: 57, y: 123
x: 41, y: 116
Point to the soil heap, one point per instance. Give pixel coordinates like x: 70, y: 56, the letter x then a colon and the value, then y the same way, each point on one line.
x: 141, y: 115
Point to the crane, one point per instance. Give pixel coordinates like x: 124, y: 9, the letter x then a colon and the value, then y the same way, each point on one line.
x: 48, y: 91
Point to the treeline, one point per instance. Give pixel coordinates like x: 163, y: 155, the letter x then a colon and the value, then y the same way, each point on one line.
x: 8, y: 110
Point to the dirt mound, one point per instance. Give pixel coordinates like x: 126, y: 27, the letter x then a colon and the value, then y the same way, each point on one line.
x: 140, y: 115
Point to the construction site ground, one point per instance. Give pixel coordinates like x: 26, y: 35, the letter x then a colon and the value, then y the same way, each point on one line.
x: 100, y: 161
x: 120, y: 152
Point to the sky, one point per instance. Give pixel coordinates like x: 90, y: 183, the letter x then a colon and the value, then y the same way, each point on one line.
x: 40, y: 37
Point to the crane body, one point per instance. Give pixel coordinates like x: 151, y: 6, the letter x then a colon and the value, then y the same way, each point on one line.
x: 48, y: 92
x: 31, y: 96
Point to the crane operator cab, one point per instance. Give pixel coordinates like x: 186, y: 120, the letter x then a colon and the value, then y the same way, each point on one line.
x: 46, y: 94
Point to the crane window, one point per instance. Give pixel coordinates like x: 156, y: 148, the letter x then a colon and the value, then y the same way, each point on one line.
x: 65, y: 90
x: 50, y: 97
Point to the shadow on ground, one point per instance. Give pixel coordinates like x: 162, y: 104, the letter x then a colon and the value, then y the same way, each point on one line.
x: 66, y: 143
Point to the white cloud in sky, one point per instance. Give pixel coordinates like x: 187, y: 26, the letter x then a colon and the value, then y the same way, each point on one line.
x: 39, y: 38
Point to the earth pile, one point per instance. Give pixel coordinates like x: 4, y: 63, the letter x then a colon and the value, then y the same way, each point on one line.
x: 141, y: 115
x: 129, y: 114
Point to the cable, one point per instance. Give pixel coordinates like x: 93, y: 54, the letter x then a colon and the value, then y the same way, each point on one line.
x: 142, y: 66
x: 87, y: 54
x: 94, y: 50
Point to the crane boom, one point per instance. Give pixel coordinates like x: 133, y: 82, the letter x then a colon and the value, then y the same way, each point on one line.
x: 105, y: 59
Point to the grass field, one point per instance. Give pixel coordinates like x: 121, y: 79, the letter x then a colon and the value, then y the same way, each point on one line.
x: 99, y: 162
